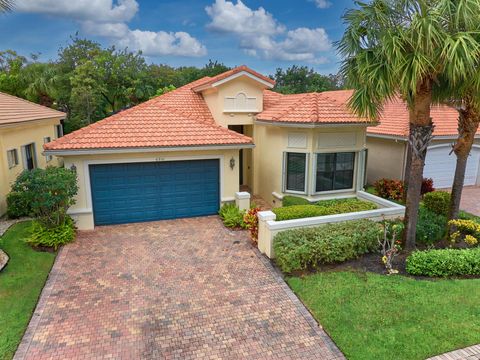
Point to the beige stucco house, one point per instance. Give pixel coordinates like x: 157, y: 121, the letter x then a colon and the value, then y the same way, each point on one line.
x: 188, y: 151
x: 24, y: 128
x: 387, y: 146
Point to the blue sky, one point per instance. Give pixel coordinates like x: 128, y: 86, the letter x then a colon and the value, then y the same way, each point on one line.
x: 261, y: 34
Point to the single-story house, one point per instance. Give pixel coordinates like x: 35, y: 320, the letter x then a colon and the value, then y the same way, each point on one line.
x: 24, y: 128
x: 188, y: 151
x: 387, y: 146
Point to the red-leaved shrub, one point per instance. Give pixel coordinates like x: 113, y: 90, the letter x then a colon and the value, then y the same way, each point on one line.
x: 427, y: 186
x: 251, y: 221
x: 390, y: 189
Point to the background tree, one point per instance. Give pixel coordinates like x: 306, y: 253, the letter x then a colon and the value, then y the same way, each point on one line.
x: 301, y: 79
x: 402, y: 47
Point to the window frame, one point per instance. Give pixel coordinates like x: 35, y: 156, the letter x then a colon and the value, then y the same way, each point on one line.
x: 354, y: 170
x: 46, y: 140
x: 34, y: 155
x: 285, y: 170
x: 17, y: 160
x: 58, y: 131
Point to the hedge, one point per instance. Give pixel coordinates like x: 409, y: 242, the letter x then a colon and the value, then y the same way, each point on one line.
x: 304, y: 248
x: 444, y: 262
x: 322, y: 208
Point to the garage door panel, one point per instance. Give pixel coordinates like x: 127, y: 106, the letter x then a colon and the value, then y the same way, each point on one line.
x: 440, y: 166
x: 135, y: 192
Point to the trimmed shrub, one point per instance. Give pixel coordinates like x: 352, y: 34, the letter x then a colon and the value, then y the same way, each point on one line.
x: 294, y: 200
x: 445, y: 262
x: 232, y: 216
x: 48, y: 192
x: 322, y: 208
x: 52, y: 237
x: 17, y: 205
x: 431, y: 227
x: 427, y: 186
x: 390, y: 189
x: 301, y: 249
x: 438, y: 202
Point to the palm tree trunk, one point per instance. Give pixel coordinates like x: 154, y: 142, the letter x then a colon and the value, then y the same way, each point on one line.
x: 421, y: 129
x: 468, y: 122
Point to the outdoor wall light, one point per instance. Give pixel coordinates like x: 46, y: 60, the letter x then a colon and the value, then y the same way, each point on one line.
x: 232, y: 163
x: 73, y: 168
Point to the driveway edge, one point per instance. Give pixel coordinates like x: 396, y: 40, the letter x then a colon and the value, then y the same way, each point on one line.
x: 316, y: 327
x: 27, y: 338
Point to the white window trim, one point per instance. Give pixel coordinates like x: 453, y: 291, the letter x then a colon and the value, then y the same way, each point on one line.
x: 284, y: 172
x: 86, y: 174
x: 17, y: 160
x: 314, y: 172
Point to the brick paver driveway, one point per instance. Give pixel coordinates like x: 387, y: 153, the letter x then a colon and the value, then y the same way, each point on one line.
x: 471, y: 200
x: 177, y: 289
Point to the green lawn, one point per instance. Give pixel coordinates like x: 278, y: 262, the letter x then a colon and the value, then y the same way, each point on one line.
x: 20, y: 285
x: 371, y: 316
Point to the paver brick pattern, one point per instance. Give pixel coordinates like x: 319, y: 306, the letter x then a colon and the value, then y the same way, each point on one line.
x: 179, y: 289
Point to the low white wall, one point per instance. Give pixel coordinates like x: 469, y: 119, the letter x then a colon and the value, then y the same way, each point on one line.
x: 268, y: 227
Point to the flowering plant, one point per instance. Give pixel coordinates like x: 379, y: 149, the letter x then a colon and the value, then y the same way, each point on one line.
x: 390, y: 246
x: 251, y: 221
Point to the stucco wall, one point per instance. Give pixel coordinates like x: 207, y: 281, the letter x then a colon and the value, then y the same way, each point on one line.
x: 215, y: 100
x: 14, y: 137
x: 386, y: 159
x: 272, y: 141
x: 82, y: 210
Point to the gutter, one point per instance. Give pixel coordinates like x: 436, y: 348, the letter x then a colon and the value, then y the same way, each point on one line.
x: 72, y: 152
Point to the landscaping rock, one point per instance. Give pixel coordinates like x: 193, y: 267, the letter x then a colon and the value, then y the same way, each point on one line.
x: 3, y: 259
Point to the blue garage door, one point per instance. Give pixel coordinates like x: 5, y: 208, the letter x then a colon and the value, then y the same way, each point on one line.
x: 135, y: 192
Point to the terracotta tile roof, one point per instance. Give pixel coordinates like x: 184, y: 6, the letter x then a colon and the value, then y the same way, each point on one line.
x: 229, y: 73
x: 178, y: 118
x: 394, y: 120
x: 16, y: 110
x: 312, y: 108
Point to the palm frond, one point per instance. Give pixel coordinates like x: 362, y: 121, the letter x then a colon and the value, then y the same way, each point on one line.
x: 6, y: 5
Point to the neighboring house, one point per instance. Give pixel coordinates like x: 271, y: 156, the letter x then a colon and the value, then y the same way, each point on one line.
x: 185, y: 152
x: 387, y: 147
x: 24, y: 128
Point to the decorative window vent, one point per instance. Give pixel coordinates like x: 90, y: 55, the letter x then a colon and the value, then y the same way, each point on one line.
x: 297, y: 140
x: 336, y: 140
x: 240, y: 103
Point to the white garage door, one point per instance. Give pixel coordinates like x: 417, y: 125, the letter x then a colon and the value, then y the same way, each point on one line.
x: 440, y: 166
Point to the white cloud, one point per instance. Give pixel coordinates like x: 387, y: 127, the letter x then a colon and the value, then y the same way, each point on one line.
x: 107, y: 18
x: 323, y: 4
x: 240, y: 19
x: 261, y: 35
x: 93, y: 10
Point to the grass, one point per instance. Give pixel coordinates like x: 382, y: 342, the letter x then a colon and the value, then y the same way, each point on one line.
x: 371, y: 316
x: 20, y: 285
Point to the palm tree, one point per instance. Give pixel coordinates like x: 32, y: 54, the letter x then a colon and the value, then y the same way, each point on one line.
x: 6, y: 5
x: 402, y: 47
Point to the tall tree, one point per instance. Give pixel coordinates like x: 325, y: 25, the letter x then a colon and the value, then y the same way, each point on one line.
x: 402, y: 47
